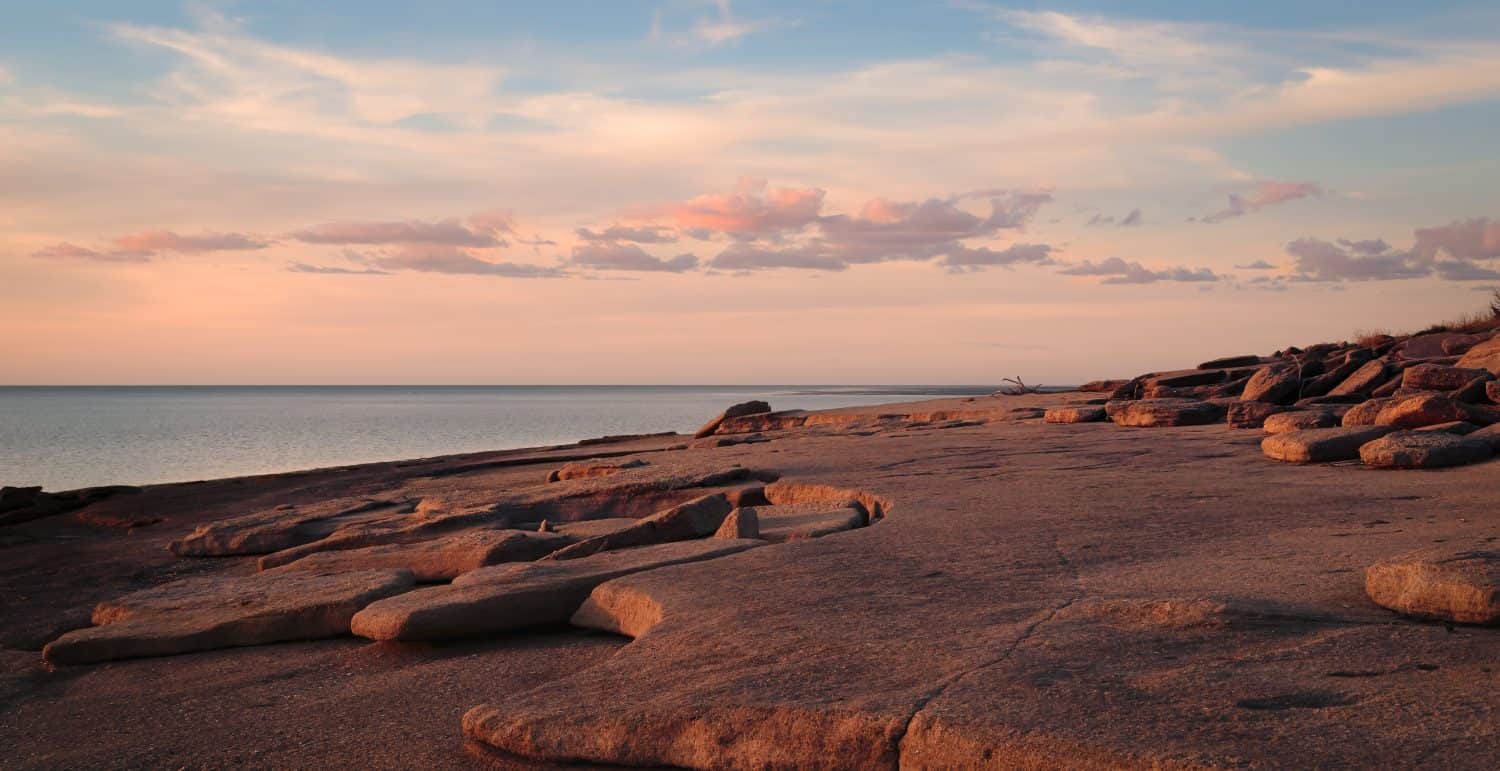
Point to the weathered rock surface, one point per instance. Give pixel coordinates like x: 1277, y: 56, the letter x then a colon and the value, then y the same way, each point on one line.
x: 792, y: 493
x: 1365, y: 413
x: 1492, y: 390
x: 1485, y: 355
x: 1489, y: 434
x: 799, y: 521
x: 1320, y: 445
x: 589, y: 528
x: 1364, y: 380
x: 734, y: 411
x: 1086, y: 414
x: 1462, y: 586
x: 741, y: 523
x: 506, y: 597
x: 206, y: 613
x: 620, y: 607
x: 440, y: 559
x: 586, y: 469
x: 1252, y: 414
x: 1230, y: 362
x: 698, y: 518
x: 1423, y: 449
x: 24, y: 504
x: 1436, y: 377
x: 1430, y: 408
x: 1102, y: 386
x: 1300, y: 421
x: 1453, y: 427
x: 1166, y: 412
x: 283, y: 528
x: 1273, y: 385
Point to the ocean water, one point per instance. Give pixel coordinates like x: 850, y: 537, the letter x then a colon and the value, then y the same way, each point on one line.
x: 69, y: 437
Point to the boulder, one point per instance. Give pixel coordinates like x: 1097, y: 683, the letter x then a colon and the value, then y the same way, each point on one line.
x: 1367, y: 378
x: 1429, y: 408
x: 1102, y: 386
x: 1458, y: 345
x: 741, y: 523
x: 1454, y: 427
x: 1424, y: 449
x: 1436, y: 377
x: 1461, y: 586
x: 440, y: 559
x: 1274, y: 385
x: 1320, y: 445
x: 1492, y: 390
x: 1485, y: 355
x: 1475, y: 391
x: 742, y: 409
x: 1364, y: 414
x: 620, y: 607
x: 698, y: 518
x: 1490, y: 434
x: 1167, y: 412
x: 1074, y: 414
x: 1287, y: 422
x: 223, y: 612
x: 507, y: 597
x: 586, y: 469
x: 1388, y: 388
x: 1322, y: 384
x: 1252, y: 414
x: 1231, y: 361
x: 800, y: 521
x: 1185, y: 378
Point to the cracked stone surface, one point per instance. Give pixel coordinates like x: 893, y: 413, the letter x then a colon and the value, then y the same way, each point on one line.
x: 1028, y: 595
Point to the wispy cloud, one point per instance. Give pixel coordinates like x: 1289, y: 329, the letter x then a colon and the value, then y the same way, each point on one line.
x: 68, y: 251
x: 168, y: 241
x: 1262, y: 195
x: 1115, y: 270
x: 624, y: 256
x: 449, y: 232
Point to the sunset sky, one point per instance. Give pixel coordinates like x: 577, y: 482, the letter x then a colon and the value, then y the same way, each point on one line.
x: 704, y: 192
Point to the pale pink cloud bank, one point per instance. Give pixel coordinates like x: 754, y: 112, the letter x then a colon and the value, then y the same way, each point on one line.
x: 168, y: 241
x: 1262, y: 195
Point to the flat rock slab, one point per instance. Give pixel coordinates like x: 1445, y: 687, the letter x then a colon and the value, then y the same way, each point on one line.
x: 1449, y: 585
x: 1148, y: 413
x: 440, y: 559
x: 698, y: 518
x: 1252, y: 414
x: 799, y: 521
x: 284, y: 527
x: 1424, y: 449
x: 589, y: 528
x: 1320, y: 445
x: 1427, y: 409
x: 1288, y: 422
x: 207, y: 613
x: 592, y: 468
x: 1074, y: 415
x: 505, y: 597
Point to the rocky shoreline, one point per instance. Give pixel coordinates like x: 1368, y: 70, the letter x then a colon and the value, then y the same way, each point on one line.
x: 1007, y: 581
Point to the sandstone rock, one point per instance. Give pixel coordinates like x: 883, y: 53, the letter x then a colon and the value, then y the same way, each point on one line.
x: 1320, y: 445
x: 440, y: 559
x: 1230, y: 362
x: 1388, y: 388
x: 1458, y: 345
x: 28, y: 503
x: 590, y: 528
x: 1252, y: 414
x: 207, y: 613
x: 1454, y: 427
x: 1475, y: 391
x: 1485, y: 355
x: 1074, y: 414
x: 1287, y: 422
x: 1490, y: 434
x: 698, y: 518
x: 789, y: 493
x: 1367, y: 378
x: 280, y: 528
x: 1276, y: 385
x: 1426, y: 409
x: 1167, y: 412
x: 1326, y: 382
x: 1458, y: 586
x: 796, y: 522
x: 1186, y: 378
x: 586, y: 469
x: 735, y: 411
x: 1492, y: 390
x: 1436, y: 377
x: 1102, y: 386
x: 1431, y: 344
x: 620, y: 607
x: 1364, y: 414
x: 1423, y: 449
x: 741, y: 523
x: 506, y: 597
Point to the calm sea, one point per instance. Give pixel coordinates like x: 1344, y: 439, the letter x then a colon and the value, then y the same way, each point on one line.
x: 68, y: 437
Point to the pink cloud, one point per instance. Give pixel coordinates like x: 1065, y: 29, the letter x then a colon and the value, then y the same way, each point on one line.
x: 168, y: 241
x: 66, y: 251
x: 444, y: 258
x: 1261, y: 195
x: 449, y: 232
x: 1473, y: 239
x: 753, y: 209
x: 1117, y: 271
x: 618, y: 256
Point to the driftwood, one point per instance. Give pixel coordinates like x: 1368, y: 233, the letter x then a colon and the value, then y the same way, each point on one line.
x: 1017, y: 387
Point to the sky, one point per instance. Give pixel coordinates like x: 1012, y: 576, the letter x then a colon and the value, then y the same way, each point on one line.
x: 685, y: 191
